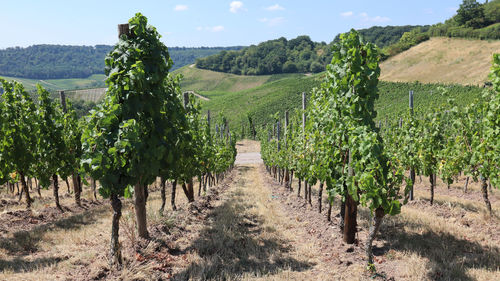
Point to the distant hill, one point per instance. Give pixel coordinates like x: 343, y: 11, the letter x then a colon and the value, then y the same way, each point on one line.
x: 444, y: 60
x: 61, y: 61
x: 299, y: 55
x: 264, y: 95
x: 383, y: 36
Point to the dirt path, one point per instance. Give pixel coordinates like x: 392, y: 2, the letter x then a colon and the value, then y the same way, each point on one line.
x: 198, y: 95
x: 249, y: 237
x: 248, y: 158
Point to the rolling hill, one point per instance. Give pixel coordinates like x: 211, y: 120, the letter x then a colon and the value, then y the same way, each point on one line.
x: 442, y: 60
x: 262, y: 96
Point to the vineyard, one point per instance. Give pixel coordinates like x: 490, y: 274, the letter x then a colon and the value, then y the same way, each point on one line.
x: 334, y: 142
x: 336, y: 193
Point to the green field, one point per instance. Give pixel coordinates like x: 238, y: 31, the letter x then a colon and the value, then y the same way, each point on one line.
x: 93, y: 81
x: 283, y: 92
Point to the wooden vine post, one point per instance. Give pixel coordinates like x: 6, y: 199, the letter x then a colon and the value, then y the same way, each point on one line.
x: 190, y: 186
x: 287, y: 172
x: 304, y: 138
x: 351, y: 210
x: 412, y: 169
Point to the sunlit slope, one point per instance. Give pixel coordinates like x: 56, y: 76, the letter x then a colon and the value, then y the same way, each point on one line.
x: 93, y: 81
x: 195, y: 79
x: 442, y: 60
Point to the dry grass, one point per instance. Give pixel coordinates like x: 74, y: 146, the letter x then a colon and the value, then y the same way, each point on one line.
x: 206, y: 80
x: 246, y: 238
x: 444, y: 60
x: 76, y: 247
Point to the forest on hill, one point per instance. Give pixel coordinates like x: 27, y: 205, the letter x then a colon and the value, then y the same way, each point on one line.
x: 300, y: 54
x: 472, y: 20
x: 62, y: 61
x: 384, y: 36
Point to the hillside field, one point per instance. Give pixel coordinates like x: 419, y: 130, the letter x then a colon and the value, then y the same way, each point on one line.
x: 262, y: 96
x: 442, y: 60
x: 93, y: 81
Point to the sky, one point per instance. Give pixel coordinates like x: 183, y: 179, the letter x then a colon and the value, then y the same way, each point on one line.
x: 210, y: 23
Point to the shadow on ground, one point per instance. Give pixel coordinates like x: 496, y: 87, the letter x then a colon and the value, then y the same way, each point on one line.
x: 235, y: 243
x: 449, y: 257
x: 17, y: 265
x: 24, y: 242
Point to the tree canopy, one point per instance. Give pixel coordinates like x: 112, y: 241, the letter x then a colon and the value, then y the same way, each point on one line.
x: 299, y: 55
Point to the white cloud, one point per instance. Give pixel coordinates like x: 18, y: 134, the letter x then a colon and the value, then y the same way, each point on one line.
x: 429, y: 11
x: 273, y: 21
x: 216, y: 28
x: 180, y: 8
x: 236, y: 6
x: 347, y: 14
x: 275, y: 7
x: 377, y: 19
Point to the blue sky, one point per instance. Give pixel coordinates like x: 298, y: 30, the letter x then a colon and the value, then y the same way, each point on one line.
x: 207, y: 22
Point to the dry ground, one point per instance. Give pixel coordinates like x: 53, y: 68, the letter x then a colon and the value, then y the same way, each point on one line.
x: 251, y: 228
x: 442, y: 60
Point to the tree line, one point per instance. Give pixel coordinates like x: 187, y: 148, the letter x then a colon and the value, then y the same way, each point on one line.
x: 61, y: 61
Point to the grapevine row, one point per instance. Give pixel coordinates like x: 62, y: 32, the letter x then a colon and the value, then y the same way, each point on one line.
x: 144, y: 129
x: 334, y: 142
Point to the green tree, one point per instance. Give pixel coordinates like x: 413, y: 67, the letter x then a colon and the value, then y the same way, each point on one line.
x: 471, y: 14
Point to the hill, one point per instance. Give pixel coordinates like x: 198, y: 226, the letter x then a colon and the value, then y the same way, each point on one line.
x: 93, y: 81
x: 383, y: 36
x: 62, y: 62
x: 299, y: 55
x: 262, y: 96
x: 444, y: 60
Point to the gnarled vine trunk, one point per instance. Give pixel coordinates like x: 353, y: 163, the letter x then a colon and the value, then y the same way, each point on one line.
x: 320, y: 197
x: 140, y: 210
x: 163, y: 195
x: 172, y: 200
x: 56, y: 192
x: 431, y: 179
x: 342, y: 213
x: 76, y: 189
x: 26, y: 190
x: 374, y: 226
x: 94, y: 188
x: 412, y: 177
x: 300, y: 185
x: 115, y: 250
x: 484, y: 190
